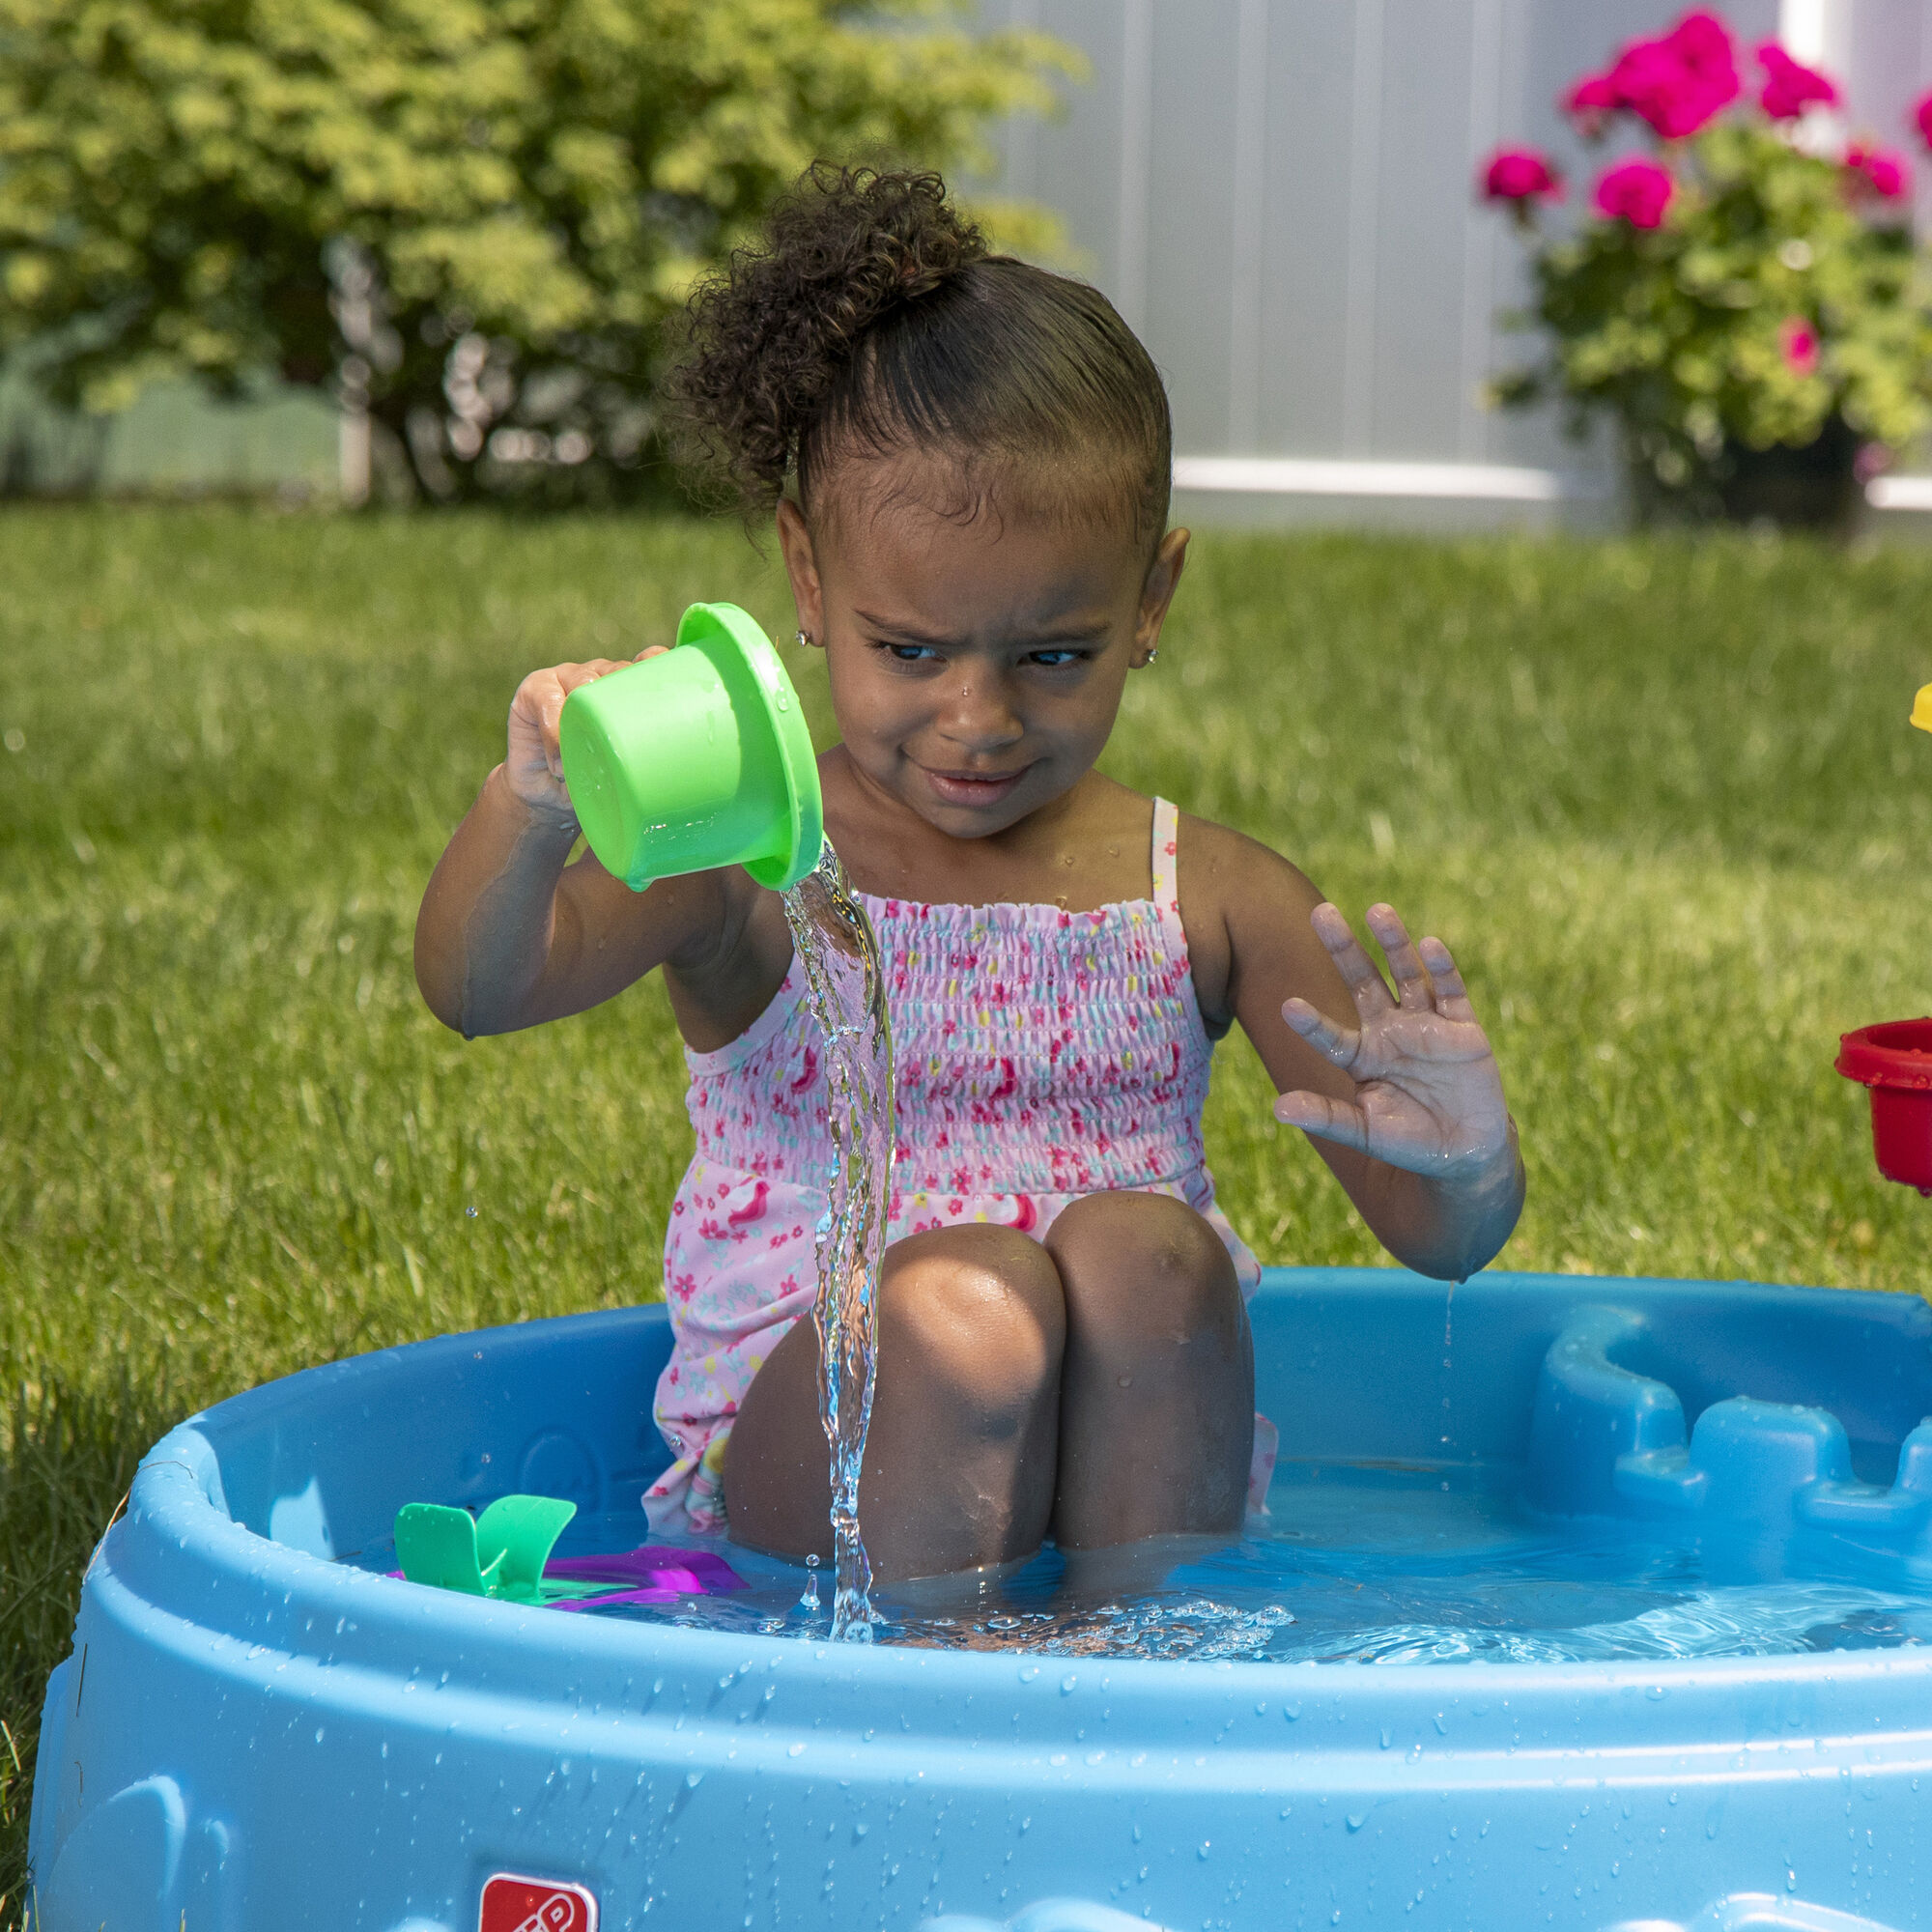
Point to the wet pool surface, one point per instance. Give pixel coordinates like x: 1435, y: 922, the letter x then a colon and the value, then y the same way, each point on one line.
x: 1357, y: 1563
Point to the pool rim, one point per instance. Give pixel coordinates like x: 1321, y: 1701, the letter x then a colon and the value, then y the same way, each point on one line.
x: 175, y: 1503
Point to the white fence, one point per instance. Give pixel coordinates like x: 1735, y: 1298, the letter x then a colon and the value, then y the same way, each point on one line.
x: 1278, y: 194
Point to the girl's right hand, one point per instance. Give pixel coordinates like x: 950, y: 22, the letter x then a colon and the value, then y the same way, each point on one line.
x: 534, y: 764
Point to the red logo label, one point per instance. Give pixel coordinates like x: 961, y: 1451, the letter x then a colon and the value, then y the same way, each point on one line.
x: 515, y: 1904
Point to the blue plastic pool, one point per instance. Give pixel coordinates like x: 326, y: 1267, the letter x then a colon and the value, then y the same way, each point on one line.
x: 257, y: 1731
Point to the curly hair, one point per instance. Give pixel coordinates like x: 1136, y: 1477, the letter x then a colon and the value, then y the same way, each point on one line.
x: 872, y: 319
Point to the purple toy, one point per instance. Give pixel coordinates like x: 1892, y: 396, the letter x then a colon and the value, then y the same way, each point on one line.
x: 641, y: 1576
x: 656, y: 1575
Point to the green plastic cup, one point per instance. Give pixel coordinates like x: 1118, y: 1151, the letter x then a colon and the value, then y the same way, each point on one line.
x: 696, y: 758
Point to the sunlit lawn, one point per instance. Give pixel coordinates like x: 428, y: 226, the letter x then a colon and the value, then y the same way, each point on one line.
x: 1659, y: 795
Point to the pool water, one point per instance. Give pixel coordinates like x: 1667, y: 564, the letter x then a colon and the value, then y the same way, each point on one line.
x: 1365, y: 1562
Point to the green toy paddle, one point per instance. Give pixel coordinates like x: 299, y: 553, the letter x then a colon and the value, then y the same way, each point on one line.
x: 500, y: 1554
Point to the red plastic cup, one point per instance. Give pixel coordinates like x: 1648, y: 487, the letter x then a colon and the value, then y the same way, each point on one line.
x: 1895, y: 1061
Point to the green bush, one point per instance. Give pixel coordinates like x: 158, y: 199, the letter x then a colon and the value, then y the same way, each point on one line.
x: 1751, y: 283
x: 470, y: 218
x: 1765, y: 303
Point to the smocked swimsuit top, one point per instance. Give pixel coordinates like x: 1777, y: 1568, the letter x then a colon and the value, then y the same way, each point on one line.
x: 1040, y: 1055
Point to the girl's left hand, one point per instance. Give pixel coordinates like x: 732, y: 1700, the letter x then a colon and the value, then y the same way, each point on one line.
x: 1428, y: 1096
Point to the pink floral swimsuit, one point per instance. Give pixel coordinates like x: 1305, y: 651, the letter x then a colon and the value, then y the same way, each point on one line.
x: 1040, y: 1055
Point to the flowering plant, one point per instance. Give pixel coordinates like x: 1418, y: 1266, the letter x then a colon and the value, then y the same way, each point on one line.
x: 1741, y: 285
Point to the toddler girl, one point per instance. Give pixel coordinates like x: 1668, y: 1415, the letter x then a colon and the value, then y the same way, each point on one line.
x: 969, y: 461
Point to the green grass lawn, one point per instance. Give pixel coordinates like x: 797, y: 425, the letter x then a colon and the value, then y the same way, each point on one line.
x: 1659, y: 795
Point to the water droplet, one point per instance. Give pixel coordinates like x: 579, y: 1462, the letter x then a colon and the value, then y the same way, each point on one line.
x: 796, y: 1751
x: 471, y: 1212
x: 1066, y: 1684
x: 1357, y: 1820
x: 1206, y: 1847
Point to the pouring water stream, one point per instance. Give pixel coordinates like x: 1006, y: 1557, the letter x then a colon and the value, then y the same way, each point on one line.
x: 846, y: 992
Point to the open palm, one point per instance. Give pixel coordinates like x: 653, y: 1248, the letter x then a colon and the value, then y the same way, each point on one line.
x: 1428, y: 1096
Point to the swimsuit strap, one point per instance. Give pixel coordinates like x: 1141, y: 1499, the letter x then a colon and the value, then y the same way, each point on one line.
x: 1167, y: 877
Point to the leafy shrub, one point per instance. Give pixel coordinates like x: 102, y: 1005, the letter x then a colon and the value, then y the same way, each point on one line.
x: 468, y: 219
x: 1750, y: 282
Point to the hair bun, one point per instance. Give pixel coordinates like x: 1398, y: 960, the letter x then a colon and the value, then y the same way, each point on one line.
x: 770, y: 337
x: 921, y: 278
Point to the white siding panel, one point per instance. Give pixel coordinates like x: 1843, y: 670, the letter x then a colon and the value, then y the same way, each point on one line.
x: 1189, y: 302
x: 1304, y: 292
x: 1279, y: 194
x: 1421, y: 234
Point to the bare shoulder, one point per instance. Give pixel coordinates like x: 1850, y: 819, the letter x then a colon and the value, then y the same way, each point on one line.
x: 1218, y: 854
x: 1238, y: 896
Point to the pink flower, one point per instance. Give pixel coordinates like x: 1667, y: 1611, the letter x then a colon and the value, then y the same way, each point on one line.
x: 1799, y: 341
x: 1520, y: 174
x: 1675, y: 83
x: 1679, y: 82
x: 1634, y: 191
x: 1650, y: 82
x: 1593, y: 100
x: 1921, y: 117
x: 1789, y: 86
x: 1707, y: 75
x: 1594, y: 94
x: 1879, y: 171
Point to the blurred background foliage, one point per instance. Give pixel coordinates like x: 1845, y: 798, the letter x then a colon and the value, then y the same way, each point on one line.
x: 466, y: 220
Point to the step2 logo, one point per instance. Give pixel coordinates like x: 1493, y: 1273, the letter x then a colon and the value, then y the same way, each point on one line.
x: 513, y: 1903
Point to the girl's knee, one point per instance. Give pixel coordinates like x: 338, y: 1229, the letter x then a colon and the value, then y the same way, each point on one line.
x: 1145, y: 1264
x: 975, y: 1315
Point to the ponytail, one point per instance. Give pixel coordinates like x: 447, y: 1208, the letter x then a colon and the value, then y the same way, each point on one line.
x: 874, y: 318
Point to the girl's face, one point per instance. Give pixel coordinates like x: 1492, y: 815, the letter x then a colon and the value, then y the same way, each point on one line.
x: 977, y: 661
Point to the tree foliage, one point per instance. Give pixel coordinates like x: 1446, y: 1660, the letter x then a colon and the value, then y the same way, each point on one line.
x: 471, y: 217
